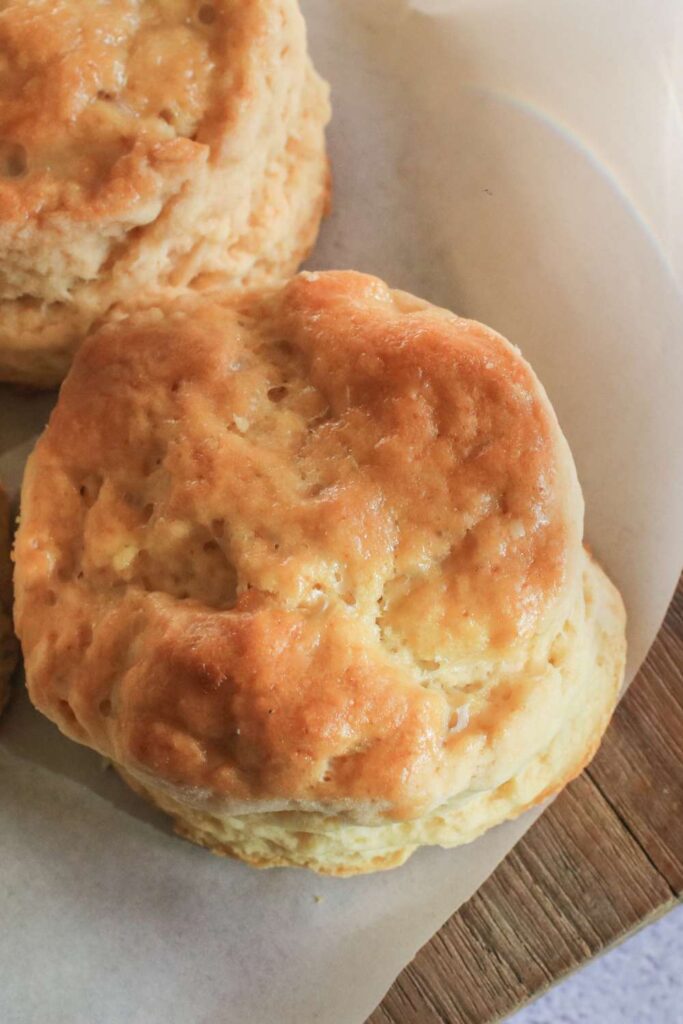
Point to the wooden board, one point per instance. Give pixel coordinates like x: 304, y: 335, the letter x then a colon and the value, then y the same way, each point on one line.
x: 605, y: 859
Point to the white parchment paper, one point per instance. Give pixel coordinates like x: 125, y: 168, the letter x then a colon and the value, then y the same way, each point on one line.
x: 518, y: 161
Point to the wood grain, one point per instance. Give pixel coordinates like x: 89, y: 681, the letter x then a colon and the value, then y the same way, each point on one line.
x: 605, y: 859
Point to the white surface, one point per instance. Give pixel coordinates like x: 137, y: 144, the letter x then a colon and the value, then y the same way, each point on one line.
x: 639, y: 982
x: 474, y: 157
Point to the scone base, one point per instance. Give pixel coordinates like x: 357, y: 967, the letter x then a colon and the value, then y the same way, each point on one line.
x: 188, y: 825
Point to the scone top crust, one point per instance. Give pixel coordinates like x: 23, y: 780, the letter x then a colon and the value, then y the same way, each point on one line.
x: 101, y: 101
x: 309, y: 551
x: 146, y: 144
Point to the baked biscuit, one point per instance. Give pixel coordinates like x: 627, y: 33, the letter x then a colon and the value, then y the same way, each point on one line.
x: 143, y: 144
x: 8, y: 641
x: 309, y: 569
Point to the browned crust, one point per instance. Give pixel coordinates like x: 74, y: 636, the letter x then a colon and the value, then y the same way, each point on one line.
x: 411, y: 500
x: 142, y: 148
x: 197, y: 828
x: 93, y: 147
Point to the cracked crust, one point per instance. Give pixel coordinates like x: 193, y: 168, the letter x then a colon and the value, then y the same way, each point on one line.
x: 146, y: 144
x: 315, y: 581
x: 592, y: 673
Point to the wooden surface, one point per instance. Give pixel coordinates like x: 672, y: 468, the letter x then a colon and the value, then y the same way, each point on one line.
x: 605, y: 859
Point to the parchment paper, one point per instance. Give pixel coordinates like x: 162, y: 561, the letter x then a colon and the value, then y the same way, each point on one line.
x: 520, y: 162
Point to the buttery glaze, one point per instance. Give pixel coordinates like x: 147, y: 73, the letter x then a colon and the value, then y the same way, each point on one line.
x: 87, y: 88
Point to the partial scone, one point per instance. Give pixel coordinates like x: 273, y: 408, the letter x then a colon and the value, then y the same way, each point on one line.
x: 309, y: 570
x: 144, y: 143
x: 8, y: 641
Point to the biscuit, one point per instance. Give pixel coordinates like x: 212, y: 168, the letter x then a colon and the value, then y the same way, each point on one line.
x: 143, y: 145
x: 307, y: 566
x: 8, y: 641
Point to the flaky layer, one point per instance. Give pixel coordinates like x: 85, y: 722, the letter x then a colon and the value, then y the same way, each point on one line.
x: 145, y: 144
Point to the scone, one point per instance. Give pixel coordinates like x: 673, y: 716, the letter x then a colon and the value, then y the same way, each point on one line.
x: 8, y: 641
x: 309, y: 569
x: 143, y: 144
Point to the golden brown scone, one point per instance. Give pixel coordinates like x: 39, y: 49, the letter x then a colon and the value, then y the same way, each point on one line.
x: 8, y: 641
x: 309, y: 570
x: 143, y: 144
